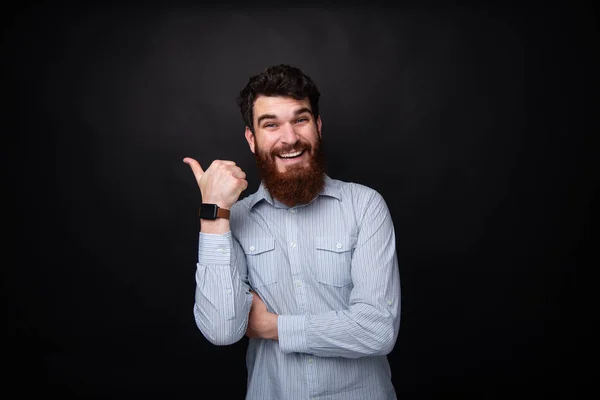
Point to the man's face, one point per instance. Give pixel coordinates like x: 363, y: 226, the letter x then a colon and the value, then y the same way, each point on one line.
x: 285, y: 130
x: 287, y: 148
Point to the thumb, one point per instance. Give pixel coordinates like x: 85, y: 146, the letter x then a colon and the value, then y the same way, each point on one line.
x: 195, y: 166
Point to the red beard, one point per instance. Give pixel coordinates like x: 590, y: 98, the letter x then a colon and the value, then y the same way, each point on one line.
x: 299, y: 184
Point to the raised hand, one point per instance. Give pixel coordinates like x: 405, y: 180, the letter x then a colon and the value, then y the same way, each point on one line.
x: 221, y: 183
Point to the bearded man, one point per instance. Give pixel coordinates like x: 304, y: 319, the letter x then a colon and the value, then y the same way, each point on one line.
x: 306, y: 266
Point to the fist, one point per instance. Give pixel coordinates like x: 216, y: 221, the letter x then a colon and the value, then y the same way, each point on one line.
x: 261, y: 322
x: 221, y: 183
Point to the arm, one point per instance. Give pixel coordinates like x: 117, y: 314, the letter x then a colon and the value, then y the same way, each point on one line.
x: 222, y: 300
x: 370, y: 324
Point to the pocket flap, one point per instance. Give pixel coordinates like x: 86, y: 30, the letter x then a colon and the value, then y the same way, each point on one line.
x: 335, y: 244
x: 253, y: 246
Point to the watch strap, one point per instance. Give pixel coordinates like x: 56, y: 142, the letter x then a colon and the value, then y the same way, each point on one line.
x: 223, y: 213
x: 212, y: 211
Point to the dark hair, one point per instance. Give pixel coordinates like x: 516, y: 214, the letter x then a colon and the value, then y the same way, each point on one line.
x: 278, y: 80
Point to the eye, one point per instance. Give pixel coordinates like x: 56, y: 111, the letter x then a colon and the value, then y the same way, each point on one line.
x: 269, y: 125
x: 302, y: 119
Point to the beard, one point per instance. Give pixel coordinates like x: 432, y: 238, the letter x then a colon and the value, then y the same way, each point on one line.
x: 299, y: 184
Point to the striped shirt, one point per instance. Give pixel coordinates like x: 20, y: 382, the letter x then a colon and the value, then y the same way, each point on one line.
x: 329, y: 270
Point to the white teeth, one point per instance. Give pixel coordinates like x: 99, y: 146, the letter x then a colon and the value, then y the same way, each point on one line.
x: 290, y: 155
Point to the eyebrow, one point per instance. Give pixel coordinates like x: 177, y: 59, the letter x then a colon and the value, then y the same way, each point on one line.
x: 273, y: 116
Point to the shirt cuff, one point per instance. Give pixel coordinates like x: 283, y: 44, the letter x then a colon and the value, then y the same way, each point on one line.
x: 214, y: 249
x: 291, y: 333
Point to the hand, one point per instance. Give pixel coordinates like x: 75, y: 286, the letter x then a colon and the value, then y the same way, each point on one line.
x: 221, y: 184
x: 261, y: 322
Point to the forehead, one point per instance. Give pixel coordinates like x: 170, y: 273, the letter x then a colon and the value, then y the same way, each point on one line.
x: 280, y: 106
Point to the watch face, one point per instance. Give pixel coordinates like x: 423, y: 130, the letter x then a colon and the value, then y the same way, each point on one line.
x: 208, y: 211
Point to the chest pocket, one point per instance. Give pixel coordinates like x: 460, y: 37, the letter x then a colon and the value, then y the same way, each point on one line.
x: 261, y: 260
x: 334, y: 258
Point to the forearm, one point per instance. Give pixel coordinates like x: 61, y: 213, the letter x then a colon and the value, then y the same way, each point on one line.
x: 359, y: 331
x: 222, y: 298
x: 369, y: 325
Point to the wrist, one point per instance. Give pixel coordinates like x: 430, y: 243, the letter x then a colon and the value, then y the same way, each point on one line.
x: 218, y: 201
x: 273, y: 332
x: 217, y: 226
x: 213, y: 219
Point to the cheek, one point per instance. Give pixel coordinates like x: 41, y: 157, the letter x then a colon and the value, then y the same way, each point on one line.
x: 262, y: 149
x: 312, y: 138
x: 266, y: 142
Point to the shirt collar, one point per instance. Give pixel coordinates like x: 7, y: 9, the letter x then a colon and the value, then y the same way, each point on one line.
x: 331, y: 189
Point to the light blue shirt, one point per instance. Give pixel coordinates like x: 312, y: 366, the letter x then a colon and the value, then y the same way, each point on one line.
x: 329, y: 269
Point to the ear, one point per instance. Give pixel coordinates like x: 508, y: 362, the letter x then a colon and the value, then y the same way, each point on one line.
x: 319, y: 125
x: 250, y: 139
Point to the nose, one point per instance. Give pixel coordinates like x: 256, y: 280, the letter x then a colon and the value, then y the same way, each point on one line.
x: 288, y: 134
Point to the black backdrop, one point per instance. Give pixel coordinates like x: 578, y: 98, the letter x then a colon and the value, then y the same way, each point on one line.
x: 471, y: 121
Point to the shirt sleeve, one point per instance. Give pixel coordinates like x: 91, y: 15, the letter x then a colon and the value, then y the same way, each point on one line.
x: 370, y: 324
x: 222, y: 300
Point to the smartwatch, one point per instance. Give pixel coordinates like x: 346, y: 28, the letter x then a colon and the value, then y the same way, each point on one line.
x: 212, y: 211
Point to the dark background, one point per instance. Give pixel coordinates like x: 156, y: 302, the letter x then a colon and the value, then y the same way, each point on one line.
x: 473, y: 122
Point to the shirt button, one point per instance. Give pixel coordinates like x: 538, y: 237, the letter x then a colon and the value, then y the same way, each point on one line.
x: 310, y: 360
x: 228, y: 291
x: 293, y: 244
x: 252, y: 248
x: 339, y: 245
x: 390, y: 302
x: 298, y: 283
x: 221, y: 250
x: 293, y: 210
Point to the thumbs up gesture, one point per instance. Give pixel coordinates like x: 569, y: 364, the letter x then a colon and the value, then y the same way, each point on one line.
x: 221, y: 183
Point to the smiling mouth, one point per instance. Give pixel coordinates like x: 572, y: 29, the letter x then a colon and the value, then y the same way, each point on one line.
x: 291, y: 156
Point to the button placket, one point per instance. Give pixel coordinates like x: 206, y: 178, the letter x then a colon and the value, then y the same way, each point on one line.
x: 296, y: 273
